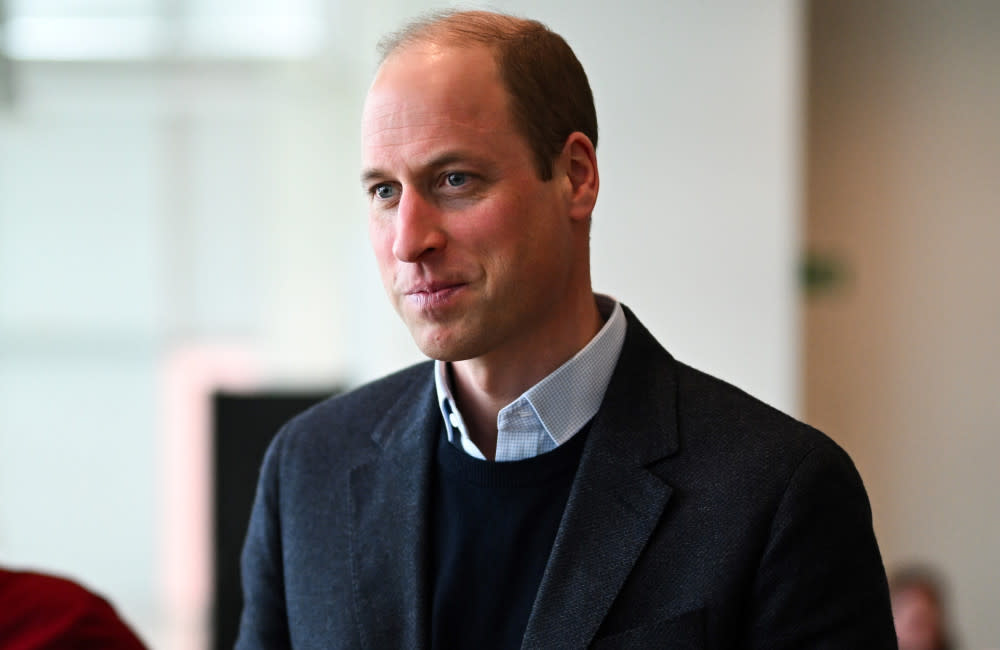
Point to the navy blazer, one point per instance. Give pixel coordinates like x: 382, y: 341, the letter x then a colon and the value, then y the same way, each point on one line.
x: 699, y: 518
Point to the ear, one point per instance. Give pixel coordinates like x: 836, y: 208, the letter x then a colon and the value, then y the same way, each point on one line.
x: 579, y: 164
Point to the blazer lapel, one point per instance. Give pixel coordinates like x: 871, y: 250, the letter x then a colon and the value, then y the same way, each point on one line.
x: 615, y: 503
x: 389, y: 532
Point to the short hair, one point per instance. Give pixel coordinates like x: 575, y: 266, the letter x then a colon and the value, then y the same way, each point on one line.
x: 550, y: 96
x: 920, y: 577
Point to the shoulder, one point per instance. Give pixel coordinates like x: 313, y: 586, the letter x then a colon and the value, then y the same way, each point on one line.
x: 32, y: 590
x: 341, y: 425
x: 366, y: 404
x: 58, y: 612
x: 750, y: 447
x: 720, y: 429
x: 717, y: 408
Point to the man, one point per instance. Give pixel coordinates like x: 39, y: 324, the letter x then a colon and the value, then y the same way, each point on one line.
x: 555, y: 479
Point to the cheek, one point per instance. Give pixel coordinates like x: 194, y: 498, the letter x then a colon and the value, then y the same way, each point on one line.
x: 380, y: 239
x: 501, y: 224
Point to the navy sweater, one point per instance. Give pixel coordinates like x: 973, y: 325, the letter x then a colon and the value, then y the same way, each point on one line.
x: 493, y: 526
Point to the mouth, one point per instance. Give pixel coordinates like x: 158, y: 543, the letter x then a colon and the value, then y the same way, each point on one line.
x: 435, y: 294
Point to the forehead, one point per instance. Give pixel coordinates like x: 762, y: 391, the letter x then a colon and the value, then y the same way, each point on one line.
x: 427, y: 90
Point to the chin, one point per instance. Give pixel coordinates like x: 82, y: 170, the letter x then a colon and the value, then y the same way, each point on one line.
x: 440, y: 352
x: 444, y: 348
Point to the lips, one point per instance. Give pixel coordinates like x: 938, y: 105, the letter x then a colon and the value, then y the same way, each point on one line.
x: 434, y: 294
x: 433, y: 287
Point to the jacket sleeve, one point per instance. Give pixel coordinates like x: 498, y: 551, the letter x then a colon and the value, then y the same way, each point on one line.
x: 264, y: 621
x: 821, y: 583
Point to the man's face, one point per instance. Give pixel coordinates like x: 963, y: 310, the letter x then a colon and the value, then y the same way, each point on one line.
x: 475, y: 251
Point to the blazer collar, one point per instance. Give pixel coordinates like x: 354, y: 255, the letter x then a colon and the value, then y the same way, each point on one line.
x: 613, y: 507
x: 389, y: 535
x: 615, y: 502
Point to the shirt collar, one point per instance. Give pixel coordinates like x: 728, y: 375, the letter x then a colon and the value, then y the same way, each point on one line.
x: 549, y: 413
x: 453, y: 422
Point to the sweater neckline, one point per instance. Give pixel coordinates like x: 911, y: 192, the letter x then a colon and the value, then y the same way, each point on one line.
x: 528, y: 472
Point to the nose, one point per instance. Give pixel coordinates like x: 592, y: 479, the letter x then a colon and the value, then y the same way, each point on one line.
x: 418, y: 228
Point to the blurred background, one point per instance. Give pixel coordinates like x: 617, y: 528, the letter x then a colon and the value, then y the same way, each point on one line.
x: 798, y: 196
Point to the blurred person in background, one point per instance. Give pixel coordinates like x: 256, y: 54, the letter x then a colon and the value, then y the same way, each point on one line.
x: 43, y: 611
x: 919, y: 611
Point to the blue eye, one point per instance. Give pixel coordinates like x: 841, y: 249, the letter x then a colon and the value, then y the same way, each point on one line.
x: 384, y: 191
x: 456, y: 179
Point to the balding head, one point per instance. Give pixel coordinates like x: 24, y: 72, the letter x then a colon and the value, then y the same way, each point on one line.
x: 550, y: 97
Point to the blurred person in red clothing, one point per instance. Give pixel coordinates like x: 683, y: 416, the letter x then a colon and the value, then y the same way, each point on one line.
x: 918, y: 610
x: 42, y: 611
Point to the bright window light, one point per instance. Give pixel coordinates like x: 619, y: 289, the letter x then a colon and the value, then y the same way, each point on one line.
x: 68, y: 39
x: 56, y: 30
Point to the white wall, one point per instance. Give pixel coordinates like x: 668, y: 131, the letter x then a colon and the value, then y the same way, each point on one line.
x: 696, y: 227
x: 903, y: 363
x: 149, y: 211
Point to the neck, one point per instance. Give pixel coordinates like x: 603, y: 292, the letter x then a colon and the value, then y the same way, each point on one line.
x: 484, y: 385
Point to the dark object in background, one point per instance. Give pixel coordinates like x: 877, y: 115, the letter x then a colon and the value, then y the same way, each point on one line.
x: 823, y: 273
x: 243, y: 426
x: 42, y: 611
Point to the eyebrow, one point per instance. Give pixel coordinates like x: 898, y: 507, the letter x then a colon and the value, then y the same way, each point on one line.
x: 442, y: 160
x: 370, y: 175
